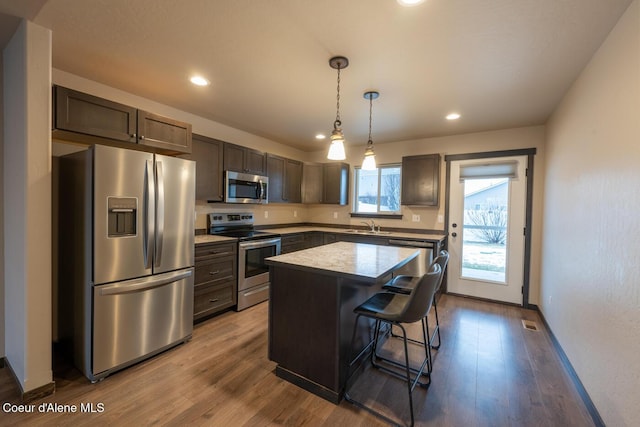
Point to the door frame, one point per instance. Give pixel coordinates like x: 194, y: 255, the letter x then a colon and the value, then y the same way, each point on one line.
x: 530, y: 153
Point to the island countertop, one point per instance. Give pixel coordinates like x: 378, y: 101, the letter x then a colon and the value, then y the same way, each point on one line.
x: 346, y: 259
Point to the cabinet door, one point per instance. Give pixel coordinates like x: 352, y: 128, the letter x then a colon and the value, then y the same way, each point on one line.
x: 255, y: 162
x: 312, y: 183
x: 336, y: 183
x: 207, y: 153
x: 233, y: 157
x: 293, y: 181
x: 90, y: 115
x: 276, y: 172
x: 246, y: 160
x: 162, y: 132
x: 421, y: 180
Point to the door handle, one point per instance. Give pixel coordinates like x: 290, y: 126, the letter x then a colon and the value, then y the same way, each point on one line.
x: 159, y: 213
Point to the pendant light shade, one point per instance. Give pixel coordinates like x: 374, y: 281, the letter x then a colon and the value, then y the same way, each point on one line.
x: 336, y: 149
x: 369, y: 162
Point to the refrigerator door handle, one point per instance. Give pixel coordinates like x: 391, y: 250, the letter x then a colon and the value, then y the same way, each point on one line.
x: 159, y: 213
x: 150, y: 208
x: 143, y: 284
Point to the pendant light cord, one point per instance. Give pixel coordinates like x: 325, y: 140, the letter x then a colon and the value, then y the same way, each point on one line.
x: 338, y: 123
x: 370, y: 142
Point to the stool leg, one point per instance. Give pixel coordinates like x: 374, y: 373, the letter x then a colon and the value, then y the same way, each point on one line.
x: 409, y: 385
x: 437, y: 328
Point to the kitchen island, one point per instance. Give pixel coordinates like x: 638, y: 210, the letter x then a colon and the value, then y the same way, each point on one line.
x: 312, y: 296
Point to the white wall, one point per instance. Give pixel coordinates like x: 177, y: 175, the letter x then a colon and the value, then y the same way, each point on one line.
x: 590, y: 292
x: 27, y: 204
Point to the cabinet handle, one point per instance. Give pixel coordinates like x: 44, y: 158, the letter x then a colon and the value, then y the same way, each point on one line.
x: 213, y: 273
x: 141, y: 137
x: 133, y: 135
x: 219, y: 253
x: 214, y: 300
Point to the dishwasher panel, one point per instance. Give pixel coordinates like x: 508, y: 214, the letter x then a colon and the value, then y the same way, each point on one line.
x: 418, y: 266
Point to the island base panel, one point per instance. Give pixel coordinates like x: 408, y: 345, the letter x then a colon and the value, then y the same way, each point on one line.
x: 311, y: 323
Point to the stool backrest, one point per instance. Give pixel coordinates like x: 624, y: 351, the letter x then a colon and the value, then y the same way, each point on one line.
x: 421, y: 297
x: 442, y: 260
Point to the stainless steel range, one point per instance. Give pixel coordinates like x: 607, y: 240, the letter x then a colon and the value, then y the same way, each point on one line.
x: 253, y: 248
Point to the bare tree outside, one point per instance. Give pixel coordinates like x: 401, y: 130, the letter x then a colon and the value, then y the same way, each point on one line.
x: 391, y: 190
x: 490, y: 222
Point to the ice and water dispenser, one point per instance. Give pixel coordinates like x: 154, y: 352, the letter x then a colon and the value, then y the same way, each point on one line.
x: 122, y: 216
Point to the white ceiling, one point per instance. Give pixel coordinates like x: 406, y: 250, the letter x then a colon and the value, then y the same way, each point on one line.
x: 500, y: 63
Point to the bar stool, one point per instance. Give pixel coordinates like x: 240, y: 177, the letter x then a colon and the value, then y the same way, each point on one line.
x: 403, y: 285
x: 398, y: 309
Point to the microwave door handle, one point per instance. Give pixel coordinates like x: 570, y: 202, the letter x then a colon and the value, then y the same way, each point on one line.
x: 150, y: 211
x: 260, y: 190
x: 159, y: 213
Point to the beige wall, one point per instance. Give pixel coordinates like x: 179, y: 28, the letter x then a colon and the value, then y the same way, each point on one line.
x: 590, y: 292
x: 27, y: 204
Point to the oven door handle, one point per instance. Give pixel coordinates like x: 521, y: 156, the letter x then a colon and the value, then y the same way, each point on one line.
x: 259, y: 243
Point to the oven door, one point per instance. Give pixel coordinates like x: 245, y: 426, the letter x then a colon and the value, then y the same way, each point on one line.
x: 252, y: 269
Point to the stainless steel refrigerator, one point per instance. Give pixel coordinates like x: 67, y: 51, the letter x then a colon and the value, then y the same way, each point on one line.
x: 126, y: 232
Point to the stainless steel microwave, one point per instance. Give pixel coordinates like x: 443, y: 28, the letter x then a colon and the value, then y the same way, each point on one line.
x: 245, y: 188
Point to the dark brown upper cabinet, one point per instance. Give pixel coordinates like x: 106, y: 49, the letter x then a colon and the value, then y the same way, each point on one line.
x: 335, y: 179
x: 207, y: 153
x: 312, y: 183
x: 164, y: 133
x: 326, y: 183
x: 293, y: 181
x: 243, y: 159
x: 88, y: 119
x: 87, y: 114
x: 285, y: 179
x: 421, y: 180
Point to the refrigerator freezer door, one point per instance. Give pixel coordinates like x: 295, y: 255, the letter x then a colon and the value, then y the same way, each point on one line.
x: 175, y: 213
x: 138, y: 318
x: 119, y: 174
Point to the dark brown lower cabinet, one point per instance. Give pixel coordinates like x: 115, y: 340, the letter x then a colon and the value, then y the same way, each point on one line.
x: 216, y: 281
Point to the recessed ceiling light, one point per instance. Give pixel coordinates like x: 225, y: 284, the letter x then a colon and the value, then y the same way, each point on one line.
x: 410, y: 2
x: 199, y: 81
x: 453, y: 116
x: 320, y: 136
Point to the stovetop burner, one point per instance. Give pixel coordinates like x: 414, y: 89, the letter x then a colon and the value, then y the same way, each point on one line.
x: 235, y: 224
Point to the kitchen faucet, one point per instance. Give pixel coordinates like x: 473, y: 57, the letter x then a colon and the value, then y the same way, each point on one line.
x: 372, y: 225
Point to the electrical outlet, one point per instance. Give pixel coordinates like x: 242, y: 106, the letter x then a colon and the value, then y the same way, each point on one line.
x: 335, y: 215
x: 440, y: 219
x: 266, y: 214
x: 415, y: 218
x: 295, y: 214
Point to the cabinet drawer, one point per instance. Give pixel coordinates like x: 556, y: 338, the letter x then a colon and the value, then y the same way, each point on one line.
x: 216, y: 250
x: 209, y: 299
x: 215, y: 270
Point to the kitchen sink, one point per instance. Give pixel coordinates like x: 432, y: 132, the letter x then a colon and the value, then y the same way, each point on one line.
x: 368, y: 232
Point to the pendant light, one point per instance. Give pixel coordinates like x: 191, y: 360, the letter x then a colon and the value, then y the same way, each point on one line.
x: 336, y: 149
x: 369, y: 162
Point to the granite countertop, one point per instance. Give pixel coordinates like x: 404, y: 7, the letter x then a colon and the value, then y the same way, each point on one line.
x: 391, y: 235
x: 207, y: 238
x: 357, y: 260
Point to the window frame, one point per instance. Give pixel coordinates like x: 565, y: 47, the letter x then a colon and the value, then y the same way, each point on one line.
x: 378, y: 214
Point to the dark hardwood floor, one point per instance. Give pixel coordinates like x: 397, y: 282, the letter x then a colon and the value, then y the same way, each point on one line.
x: 489, y: 371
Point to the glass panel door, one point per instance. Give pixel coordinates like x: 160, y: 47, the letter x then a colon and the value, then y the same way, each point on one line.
x: 485, y: 228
